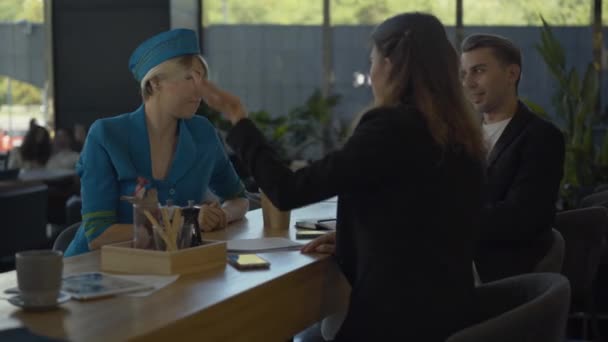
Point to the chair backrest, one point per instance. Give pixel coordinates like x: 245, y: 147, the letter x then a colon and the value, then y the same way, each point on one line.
x: 65, y: 237
x: 600, y: 188
x: 553, y: 261
x: 23, y: 209
x: 3, y: 161
x: 73, y: 208
x: 584, y: 231
x: 597, y: 199
x: 523, y: 308
x: 9, y: 174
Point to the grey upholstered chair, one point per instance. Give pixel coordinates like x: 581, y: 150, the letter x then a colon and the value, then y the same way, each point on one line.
x: 584, y: 231
x: 23, y: 209
x: 595, y: 199
x: 553, y: 261
x: 65, y: 237
x: 525, y: 308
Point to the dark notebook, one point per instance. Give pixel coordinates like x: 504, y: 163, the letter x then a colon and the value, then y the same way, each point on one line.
x: 24, y: 335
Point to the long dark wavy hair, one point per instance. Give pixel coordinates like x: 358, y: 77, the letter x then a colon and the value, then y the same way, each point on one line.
x: 425, y: 72
x: 36, y: 145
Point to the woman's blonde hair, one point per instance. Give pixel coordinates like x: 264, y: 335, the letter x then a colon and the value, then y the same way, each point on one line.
x: 425, y: 73
x: 167, y: 68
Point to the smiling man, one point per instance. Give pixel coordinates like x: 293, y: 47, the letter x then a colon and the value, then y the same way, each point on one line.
x: 525, y: 157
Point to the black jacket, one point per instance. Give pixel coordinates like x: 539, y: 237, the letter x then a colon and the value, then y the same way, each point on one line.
x: 523, y: 174
x: 407, y: 214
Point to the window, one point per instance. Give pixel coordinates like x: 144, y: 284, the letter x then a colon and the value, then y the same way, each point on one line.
x: 372, y: 12
x: 278, y: 12
x: 527, y: 12
x: 22, y: 69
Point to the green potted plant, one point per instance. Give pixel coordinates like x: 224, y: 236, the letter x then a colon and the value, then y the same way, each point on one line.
x: 307, y: 126
x: 275, y: 130
x: 586, y: 165
x: 313, y: 125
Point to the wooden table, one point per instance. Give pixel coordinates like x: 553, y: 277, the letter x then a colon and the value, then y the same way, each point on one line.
x: 218, y: 305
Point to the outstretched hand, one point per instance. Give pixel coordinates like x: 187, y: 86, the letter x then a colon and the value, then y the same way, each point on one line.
x: 325, y: 243
x: 222, y: 101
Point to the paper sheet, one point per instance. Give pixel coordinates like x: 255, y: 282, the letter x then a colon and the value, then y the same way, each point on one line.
x: 157, y: 281
x: 271, y: 244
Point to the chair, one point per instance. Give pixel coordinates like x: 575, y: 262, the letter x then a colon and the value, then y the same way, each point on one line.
x: 598, y: 199
x: 65, y: 237
x: 584, y: 232
x: 600, y: 188
x: 524, y: 308
x: 61, y: 189
x: 9, y: 174
x: 553, y: 261
x: 3, y: 161
x: 23, y: 209
x: 311, y: 334
x: 73, y: 207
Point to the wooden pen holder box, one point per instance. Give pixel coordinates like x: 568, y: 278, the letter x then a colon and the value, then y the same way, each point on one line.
x: 124, y: 258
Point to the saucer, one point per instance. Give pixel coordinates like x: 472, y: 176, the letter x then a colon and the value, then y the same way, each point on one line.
x: 17, y: 301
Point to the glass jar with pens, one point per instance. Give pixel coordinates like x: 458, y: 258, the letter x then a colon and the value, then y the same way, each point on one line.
x: 165, y: 228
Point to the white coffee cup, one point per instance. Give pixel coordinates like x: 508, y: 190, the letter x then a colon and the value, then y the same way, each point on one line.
x: 39, y: 274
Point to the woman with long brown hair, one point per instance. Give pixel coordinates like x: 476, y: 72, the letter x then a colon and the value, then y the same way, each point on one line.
x: 35, y: 151
x: 409, y: 183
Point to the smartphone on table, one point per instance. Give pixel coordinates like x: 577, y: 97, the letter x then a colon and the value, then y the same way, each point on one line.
x: 304, y: 234
x: 248, y: 261
x: 317, y: 224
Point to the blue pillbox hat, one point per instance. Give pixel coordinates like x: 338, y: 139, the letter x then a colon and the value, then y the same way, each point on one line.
x: 160, y: 48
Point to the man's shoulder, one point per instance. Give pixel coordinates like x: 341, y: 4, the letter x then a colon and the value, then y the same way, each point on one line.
x: 540, y: 125
x: 547, y: 129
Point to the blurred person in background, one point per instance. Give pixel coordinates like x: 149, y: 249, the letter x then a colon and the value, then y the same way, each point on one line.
x: 80, y: 134
x: 35, y: 151
x: 64, y: 157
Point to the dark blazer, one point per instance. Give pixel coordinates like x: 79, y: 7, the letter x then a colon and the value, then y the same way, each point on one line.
x: 406, y: 210
x: 523, y: 174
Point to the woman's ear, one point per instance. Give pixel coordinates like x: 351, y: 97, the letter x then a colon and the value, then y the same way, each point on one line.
x: 155, y: 84
x: 388, y: 65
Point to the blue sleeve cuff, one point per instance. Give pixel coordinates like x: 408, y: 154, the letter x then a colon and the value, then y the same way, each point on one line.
x: 95, y: 223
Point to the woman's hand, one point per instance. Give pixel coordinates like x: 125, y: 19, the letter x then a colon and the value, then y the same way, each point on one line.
x: 323, y: 244
x: 222, y: 101
x: 212, y: 217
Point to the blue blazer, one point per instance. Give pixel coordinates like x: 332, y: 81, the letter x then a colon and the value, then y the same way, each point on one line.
x: 117, y: 152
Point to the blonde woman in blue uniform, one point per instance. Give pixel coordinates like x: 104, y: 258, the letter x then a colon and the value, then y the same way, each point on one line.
x: 162, y: 142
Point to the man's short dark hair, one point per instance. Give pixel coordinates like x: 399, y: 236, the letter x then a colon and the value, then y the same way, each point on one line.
x: 503, y: 48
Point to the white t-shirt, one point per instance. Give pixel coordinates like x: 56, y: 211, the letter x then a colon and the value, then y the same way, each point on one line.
x: 492, y: 132
x: 63, y: 160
